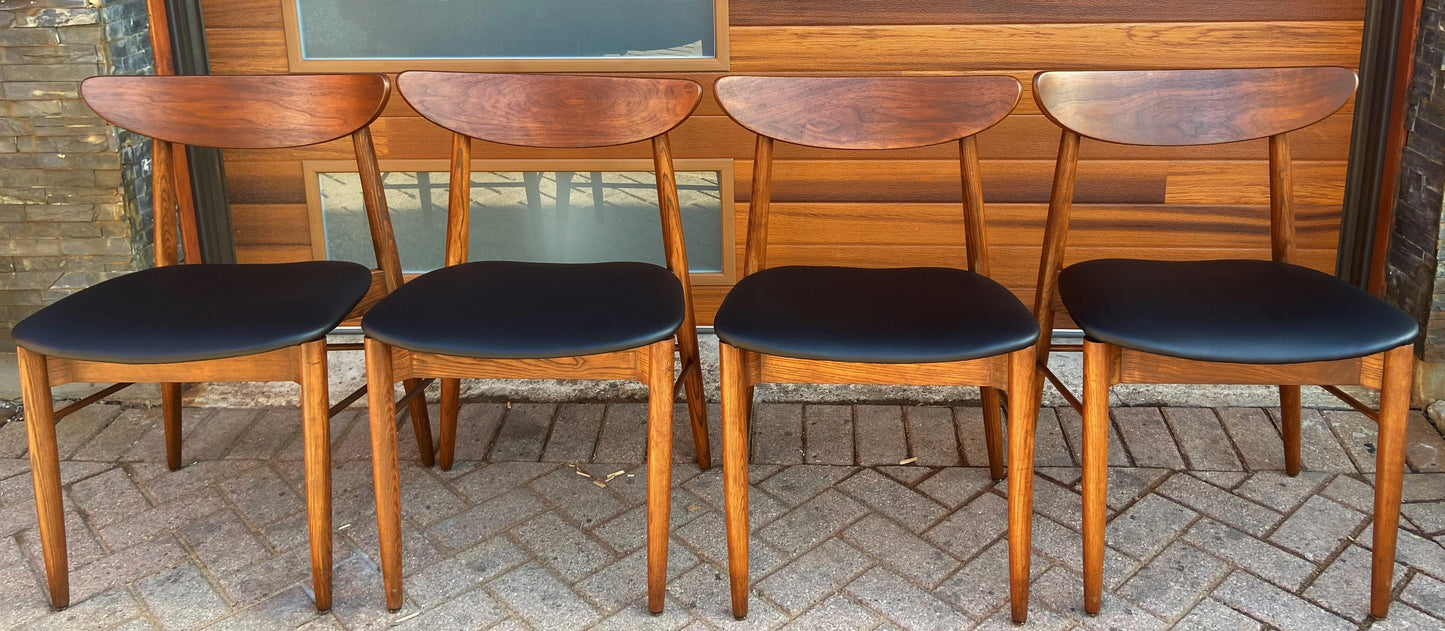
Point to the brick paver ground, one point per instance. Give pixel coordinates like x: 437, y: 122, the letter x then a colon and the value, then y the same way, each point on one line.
x: 1205, y: 531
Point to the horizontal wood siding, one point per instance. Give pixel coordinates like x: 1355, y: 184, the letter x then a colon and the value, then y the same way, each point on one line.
x: 881, y: 208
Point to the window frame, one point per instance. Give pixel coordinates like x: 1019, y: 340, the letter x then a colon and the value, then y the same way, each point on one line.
x: 727, y: 214
x: 719, y: 61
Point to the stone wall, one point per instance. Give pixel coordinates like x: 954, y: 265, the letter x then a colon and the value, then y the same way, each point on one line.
x: 71, y: 189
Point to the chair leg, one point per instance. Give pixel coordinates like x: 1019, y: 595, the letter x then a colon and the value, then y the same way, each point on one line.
x: 171, y: 415
x: 993, y: 429
x: 1096, y: 469
x: 316, y: 438
x: 1289, y: 423
x: 659, y: 470
x: 696, y: 396
x: 1023, y: 421
x: 451, y: 404
x: 735, y: 471
x: 1389, y: 472
x: 385, y: 479
x: 420, y: 423
x: 45, y: 472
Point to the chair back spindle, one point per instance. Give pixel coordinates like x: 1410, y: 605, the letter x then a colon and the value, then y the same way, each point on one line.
x: 459, y: 200
x: 756, y: 246
x: 1281, y: 200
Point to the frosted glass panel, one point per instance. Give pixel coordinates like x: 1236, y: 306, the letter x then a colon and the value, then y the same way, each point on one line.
x: 505, y: 29
x: 560, y: 217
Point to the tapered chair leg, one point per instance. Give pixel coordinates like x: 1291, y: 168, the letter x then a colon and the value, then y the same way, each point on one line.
x: 735, y: 472
x: 696, y: 396
x: 1289, y: 425
x: 450, y: 404
x: 1096, y: 469
x: 993, y: 429
x: 316, y: 438
x: 45, y: 472
x: 171, y: 416
x: 1023, y: 420
x: 420, y: 423
x: 1389, y: 472
x: 385, y: 479
x: 659, y: 470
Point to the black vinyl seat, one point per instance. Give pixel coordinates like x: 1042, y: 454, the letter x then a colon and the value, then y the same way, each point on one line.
x: 181, y: 313
x: 899, y: 315
x: 1240, y: 311
x: 516, y: 310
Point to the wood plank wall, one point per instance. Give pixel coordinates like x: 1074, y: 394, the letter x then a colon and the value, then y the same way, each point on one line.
x: 900, y: 208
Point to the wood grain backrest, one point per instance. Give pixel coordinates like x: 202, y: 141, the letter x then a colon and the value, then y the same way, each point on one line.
x: 252, y: 112
x: 860, y: 113
x: 867, y: 112
x: 1172, y: 108
x: 239, y: 112
x: 555, y: 111
x: 1191, y: 107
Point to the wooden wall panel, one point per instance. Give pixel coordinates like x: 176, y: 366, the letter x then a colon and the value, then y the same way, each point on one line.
x: 1018, y: 137
x: 1020, y: 181
x: 833, y: 12
x: 1096, y: 226
x: 253, y: 14
x: 882, y: 208
x: 1020, y: 46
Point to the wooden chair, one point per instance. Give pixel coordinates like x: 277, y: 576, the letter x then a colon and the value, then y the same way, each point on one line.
x: 905, y: 326
x: 207, y: 322
x: 1220, y: 321
x: 509, y: 320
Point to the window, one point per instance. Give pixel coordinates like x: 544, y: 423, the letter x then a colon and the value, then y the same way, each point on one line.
x: 563, y: 211
x: 506, y: 35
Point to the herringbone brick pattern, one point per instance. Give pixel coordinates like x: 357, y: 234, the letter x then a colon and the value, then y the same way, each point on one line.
x: 1205, y: 532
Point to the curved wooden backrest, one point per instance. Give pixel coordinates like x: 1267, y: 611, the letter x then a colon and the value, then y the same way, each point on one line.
x: 554, y: 111
x: 867, y: 112
x: 1191, y: 107
x: 239, y: 112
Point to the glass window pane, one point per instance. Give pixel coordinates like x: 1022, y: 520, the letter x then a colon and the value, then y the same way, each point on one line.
x: 559, y: 217
x: 505, y: 29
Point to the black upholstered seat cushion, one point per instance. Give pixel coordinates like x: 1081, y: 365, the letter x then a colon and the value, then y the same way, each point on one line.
x: 901, y: 315
x: 506, y: 309
x: 1256, y: 312
x: 193, y: 312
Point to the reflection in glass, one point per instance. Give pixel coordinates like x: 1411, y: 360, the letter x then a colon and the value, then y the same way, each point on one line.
x: 560, y: 217
x: 505, y: 29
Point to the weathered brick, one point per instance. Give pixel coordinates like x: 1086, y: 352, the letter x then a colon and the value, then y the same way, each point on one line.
x: 880, y: 435
x: 904, y: 602
x: 1318, y: 528
x: 1275, y: 606
x: 777, y: 430
x: 814, y: 576
x: 1202, y: 439
x: 1147, y: 438
x: 828, y: 434
x: 932, y: 436
x: 1174, y: 581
